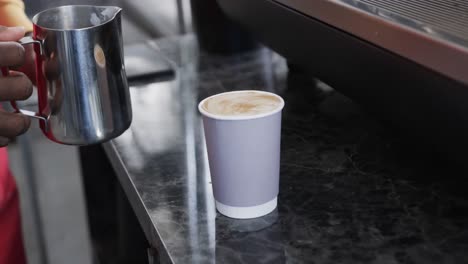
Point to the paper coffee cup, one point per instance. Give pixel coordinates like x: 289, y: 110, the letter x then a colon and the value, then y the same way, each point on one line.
x: 244, y: 155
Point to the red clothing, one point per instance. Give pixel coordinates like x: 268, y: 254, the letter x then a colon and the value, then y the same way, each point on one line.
x: 11, y: 244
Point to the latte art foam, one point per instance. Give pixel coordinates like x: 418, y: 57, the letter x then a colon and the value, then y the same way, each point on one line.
x: 247, y: 103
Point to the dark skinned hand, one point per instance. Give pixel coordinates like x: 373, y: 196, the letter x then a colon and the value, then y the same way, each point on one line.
x: 16, y: 86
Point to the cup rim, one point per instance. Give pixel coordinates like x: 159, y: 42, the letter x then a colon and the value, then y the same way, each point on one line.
x: 36, y: 17
x: 234, y: 117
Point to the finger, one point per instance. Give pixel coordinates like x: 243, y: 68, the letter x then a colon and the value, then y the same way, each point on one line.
x: 4, y: 141
x: 16, y: 86
x: 11, y: 54
x: 29, y: 66
x: 11, y: 33
x: 13, y: 124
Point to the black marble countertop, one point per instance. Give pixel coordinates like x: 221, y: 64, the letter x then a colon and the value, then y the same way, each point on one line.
x: 351, y: 191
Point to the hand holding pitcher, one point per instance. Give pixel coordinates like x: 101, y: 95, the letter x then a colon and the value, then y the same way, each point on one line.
x: 16, y: 86
x: 82, y: 86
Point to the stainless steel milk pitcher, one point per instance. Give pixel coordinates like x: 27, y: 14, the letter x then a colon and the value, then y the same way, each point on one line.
x: 82, y: 86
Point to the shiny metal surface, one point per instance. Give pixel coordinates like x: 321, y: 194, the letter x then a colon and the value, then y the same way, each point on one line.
x: 82, y: 86
x: 30, y: 41
x: 35, y: 115
x: 432, y: 34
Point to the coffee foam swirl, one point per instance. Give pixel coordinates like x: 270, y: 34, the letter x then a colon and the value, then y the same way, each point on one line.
x: 247, y: 103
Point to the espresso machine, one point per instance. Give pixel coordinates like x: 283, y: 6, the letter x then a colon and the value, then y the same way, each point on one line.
x: 405, y: 61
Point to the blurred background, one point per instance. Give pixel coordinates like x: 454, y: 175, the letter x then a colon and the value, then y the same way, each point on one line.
x: 49, y: 177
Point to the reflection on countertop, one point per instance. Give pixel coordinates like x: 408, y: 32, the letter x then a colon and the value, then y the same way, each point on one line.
x: 351, y: 191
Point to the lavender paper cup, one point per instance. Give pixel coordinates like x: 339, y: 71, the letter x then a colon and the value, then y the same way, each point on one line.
x: 244, y: 159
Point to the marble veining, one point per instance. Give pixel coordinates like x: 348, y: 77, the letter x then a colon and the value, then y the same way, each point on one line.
x: 352, y: 191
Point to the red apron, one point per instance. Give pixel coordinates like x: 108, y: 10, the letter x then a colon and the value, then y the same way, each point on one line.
x: 11, y: 243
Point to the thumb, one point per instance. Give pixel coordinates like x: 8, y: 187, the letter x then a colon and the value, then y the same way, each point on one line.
x: 11, y: 33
